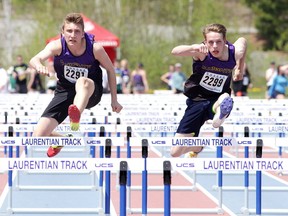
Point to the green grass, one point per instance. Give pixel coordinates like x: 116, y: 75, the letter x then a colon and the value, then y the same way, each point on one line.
x: 257, y: 93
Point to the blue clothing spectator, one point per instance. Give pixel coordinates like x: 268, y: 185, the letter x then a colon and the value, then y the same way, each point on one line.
x: 280, y: 82
x: 178, y: 79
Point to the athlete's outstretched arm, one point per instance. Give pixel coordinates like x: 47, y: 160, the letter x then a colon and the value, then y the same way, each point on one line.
x: 104, y: 60
x: 37, y: 62
x: 197, y: 51
x: 240, y: 56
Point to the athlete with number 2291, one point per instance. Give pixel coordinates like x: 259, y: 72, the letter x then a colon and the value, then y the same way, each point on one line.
x: 77, y: 59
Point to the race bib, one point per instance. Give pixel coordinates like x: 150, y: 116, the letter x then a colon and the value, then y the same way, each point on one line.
x: 74, y: 73
x: 213, y: 82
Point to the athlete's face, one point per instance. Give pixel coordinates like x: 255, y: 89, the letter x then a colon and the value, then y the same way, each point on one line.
x: 72, y: 33
x: 215, y: 43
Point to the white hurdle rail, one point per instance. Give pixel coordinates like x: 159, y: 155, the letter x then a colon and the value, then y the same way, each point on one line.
x: 245, y: 209
x: 255, y: 128
x: 273, y: 129
x: 99, y: 188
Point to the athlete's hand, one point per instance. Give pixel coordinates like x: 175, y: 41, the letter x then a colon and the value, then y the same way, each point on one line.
x: 202, y: 48
x: 116, y: 107
x: 42, y: 70
x: 238, y: 75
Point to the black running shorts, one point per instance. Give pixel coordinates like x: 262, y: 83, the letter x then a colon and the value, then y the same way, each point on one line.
x: 63, y: 98
x: 196, y: 113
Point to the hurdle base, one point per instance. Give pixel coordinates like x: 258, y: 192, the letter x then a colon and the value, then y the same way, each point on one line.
x: 271, y: 211
x: 56, y: 187
x: 58, y: 210
x: 250, y: 188
x: 49, y: 172
x: 245, y: 211
x: 178, y: 211
x: 161, y: 188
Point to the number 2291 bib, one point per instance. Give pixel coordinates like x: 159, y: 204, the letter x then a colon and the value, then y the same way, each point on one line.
x: 74, y: 73
x: 213, y: 82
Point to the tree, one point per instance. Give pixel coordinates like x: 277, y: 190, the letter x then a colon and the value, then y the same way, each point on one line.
x: 271, y: 22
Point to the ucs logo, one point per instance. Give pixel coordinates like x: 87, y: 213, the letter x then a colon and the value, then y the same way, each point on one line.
x: 189, y: 165
x: 158, y: 142
x: 93, y: 142
x: 244, y: 142
x: 8, y: 142
x: 104, y: 165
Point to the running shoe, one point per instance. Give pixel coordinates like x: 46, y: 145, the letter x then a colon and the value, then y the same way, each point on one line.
x: 193, y: 154
x: 74, y: 115
x: 54, y: 150
x: 223, y: 107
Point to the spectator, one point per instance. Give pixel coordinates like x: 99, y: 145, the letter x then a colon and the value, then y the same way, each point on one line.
x: 236, y: 87
x: 139, y: 80
x: 118, y: 73
x: 35, y: 83
x: 240, y: 87
x: 3, y: 80
x: 270, y: 74
x: 279, y: 84
x: 178, y: 79
x: 20, y: 71
x: 125, y: 74
x: 246, y: 82
x: 105, y: 82
x: 52, y: 78
x: 166, y: 78
x: 11, y: 80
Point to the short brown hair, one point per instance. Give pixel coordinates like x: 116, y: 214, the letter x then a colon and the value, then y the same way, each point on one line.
x: 75, y: 18
x: 215, y: 27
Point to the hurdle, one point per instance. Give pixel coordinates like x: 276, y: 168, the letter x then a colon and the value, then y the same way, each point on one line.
x: 92, y: 210
x: 259, y: 210
x: 246, y: 131
x: 133, y: 130
x: 144, y: 209
x: 12, y: 210
x: 167, y: 181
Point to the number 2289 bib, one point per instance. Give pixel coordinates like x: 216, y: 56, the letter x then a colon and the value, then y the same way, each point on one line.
x: 213, y: 82
x: 74, y: 73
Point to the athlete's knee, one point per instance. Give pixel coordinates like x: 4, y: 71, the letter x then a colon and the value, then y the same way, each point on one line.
x: 85, y: 83
x: 174, y: 152
x: 40, y: 133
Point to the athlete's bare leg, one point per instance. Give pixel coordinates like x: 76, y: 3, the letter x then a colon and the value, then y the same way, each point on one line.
x: 177, y: 151
x: 45, y: 127
x: 84, y: 89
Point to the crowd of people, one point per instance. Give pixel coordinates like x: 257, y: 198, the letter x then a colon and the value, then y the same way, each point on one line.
x: 130, y: 81
x: 21, y: 78
x: 277, y: 81
x: 174, y: 78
